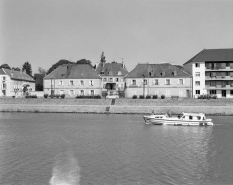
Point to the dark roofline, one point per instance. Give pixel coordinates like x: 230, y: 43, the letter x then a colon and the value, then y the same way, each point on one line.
x: 191, y: 60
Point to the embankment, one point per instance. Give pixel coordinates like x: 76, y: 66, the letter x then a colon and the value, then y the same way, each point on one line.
x: 121, y: 106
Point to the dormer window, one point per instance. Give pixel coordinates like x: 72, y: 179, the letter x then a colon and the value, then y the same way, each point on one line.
x: 102, y: 72
x: 162, y: 73
x: 151, y: 73
x: 119, y: 73
x: 110, y: 73
x: 175, y: 73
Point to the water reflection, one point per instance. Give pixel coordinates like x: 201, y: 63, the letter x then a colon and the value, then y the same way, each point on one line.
x: 183, y: 152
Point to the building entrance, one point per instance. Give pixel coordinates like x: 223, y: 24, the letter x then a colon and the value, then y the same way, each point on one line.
x: 224, y: 93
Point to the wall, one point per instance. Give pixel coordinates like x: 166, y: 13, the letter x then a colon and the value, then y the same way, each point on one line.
x: 76, y: 87
x: 174, y: 89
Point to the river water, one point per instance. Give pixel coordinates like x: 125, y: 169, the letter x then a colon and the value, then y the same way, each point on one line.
x: 100, y: 149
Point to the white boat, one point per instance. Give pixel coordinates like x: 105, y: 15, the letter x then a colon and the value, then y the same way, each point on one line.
x: 187, y: 119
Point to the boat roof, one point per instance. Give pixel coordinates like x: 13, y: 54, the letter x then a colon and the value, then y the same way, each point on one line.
x: 194, y: 114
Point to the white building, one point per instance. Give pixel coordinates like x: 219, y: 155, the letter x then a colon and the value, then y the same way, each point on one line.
x: 73, y: 80
x: 15, y: 83
x: 212, y: 72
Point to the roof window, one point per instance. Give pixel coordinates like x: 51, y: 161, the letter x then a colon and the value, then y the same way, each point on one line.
x: 110, y: 73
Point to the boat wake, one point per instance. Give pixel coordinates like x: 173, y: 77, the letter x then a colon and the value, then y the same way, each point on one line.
x: 66, y: 170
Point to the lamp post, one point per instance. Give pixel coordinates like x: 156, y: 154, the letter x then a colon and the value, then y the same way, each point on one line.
x: 143, y: 86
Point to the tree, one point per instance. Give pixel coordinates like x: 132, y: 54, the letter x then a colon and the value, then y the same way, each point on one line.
x: 6, y: 66
x: 28, y: 68
x: 42, y: 71
x: 83, y: 61
x: 60, y: 62
x: 16, y: 68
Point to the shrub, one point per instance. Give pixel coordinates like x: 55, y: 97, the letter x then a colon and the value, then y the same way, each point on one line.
x: 162, y: 96
x: 46, y: 95
x: 13, y: 96
x: 155, y: 96
x: 63, y: 96
x: 88, y: 97
x: 31, y: 96
x: 135, y: 97
x: 207, y: 96
x: 57, y: 95
x: 148, y: 97
x: 141, y: 97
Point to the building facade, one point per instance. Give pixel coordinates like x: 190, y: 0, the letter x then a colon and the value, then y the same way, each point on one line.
x: 113, y: 83
x: 212, y: 71
x: 73, y: 80
x: 158, y: 79
x: 15, y: 83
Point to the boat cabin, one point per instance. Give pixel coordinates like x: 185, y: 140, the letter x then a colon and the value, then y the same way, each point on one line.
x: 193, y: 117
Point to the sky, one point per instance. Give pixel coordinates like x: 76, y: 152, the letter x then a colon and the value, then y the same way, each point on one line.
x: 43, y: 32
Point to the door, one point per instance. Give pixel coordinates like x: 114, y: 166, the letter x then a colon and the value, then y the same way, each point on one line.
x: 224, y: 93
x: 187, y: 93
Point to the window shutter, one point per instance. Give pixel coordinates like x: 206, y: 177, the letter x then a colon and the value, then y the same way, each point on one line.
x: 89, y: 82
x: 93, y: 82
x: 184, y: 80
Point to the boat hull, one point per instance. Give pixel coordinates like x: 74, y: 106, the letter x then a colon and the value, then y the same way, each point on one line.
x: 177, y: 122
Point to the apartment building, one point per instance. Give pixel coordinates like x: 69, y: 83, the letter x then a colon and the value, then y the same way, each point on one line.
x: 212, y: 72
x: 158, y: 79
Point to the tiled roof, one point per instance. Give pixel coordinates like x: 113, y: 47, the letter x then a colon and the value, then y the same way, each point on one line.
x: 213, y: 55
x: 156, y: 71
x: 113, y: 67
x: 73, y: 71
x: 18, y: 75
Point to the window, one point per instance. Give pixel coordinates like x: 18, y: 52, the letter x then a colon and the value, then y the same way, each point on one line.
x: 197, y: 83
x: 155, y: 82
x: 198, y: 92
x: 60, y: 83
x: 197, y: 64
x: 117, y: 79
x: 4, y: 78
x: 71, y: 82
x: 4, y: 85
x: 145, y: 82
x: 133, y: 82
x: 212, y: 91
x: 198, y: 117
x: 231, y: 92
x: 110, y: 79
x: 82, y: 92
x: 61, y: 92
x: 92, y: 93
x: 122, y: 79
x: 190, y: 117
x: 91, y: 82
x: 168, y: 82
x: 119, y: 73
x: 212, y: 83
x: 82, y: 82
x: 105, y: 79
x: 228, y: 64
x: 197, y: 74
x: 181, y: 81
x: 104, y: 86
x: 71, y: 92
x: 102, y: 72
x: 110, y: 73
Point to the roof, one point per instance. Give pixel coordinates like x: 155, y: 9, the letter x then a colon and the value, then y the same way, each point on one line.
x: 156, y: 70
x: 2, y: 72
x: 73, y: 71
x: 212, y: 55
x: 17, y: 75
x: 113, y: 67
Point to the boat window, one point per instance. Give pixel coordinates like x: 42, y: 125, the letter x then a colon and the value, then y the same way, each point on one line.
x: 190, y: 117
x: 198, y: 117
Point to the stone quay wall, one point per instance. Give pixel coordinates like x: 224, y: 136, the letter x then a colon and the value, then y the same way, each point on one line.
x: 120, y: 106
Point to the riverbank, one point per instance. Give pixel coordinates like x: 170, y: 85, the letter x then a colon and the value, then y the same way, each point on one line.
x: 120, y: 106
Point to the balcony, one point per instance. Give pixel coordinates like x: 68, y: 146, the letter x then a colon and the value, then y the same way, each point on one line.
x: 219, y: 78
x: 218, y: 69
